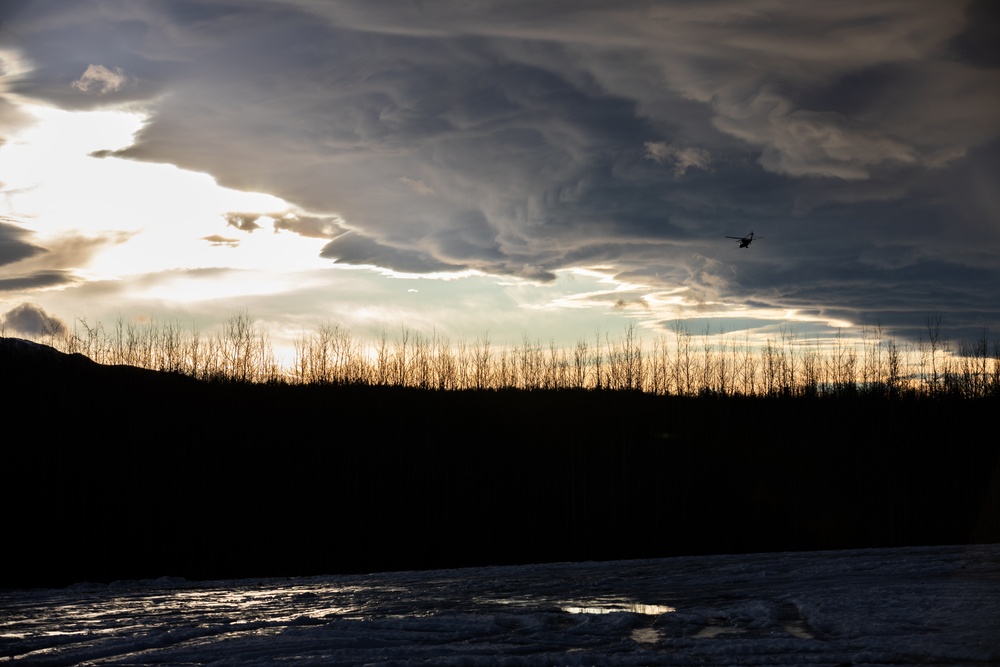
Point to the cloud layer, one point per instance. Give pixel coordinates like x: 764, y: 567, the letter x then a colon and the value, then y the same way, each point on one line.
x: 859, y: 139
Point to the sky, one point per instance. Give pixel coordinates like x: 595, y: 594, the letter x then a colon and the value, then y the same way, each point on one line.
x: 502, y: 168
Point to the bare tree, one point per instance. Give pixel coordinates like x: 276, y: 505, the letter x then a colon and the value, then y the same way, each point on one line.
x: 598, y: 365
x: 683, y: 362
x: 580, y: 363
x: 659, y: 365
x: 481, y: 362
x: 933, y: 324
x: 382, y: 370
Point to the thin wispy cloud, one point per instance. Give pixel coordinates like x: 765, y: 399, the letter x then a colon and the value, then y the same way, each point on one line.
x: 681, y: 159
x: 100, y: 80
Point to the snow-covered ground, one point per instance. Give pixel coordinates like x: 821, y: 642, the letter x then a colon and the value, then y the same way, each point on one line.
x: 937, y: 605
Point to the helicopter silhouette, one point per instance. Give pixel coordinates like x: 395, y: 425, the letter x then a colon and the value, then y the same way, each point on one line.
x: 745, y: 241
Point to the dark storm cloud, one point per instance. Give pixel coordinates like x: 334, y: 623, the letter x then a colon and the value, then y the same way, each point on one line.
x: 13, y: 246
x: 91, y: 54
x: 977, y: 42
x: 859, y: 139
x: 38, y: 267
x: 29, y: 319
x: 25, y: 266
x: 35, y: 280
x: 354, y: 248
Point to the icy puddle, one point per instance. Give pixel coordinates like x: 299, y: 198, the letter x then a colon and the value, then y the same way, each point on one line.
x: 618, y: 607
x: 884, y: 607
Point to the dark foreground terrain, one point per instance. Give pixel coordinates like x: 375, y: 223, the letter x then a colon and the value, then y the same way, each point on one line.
x: 119, y: 473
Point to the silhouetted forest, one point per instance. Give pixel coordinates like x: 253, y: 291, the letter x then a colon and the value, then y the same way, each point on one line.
x: 679, y: 363
x: 116, y: 472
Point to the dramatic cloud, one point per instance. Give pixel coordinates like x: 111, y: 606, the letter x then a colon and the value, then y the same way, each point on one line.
x: 519, y: 139
x: 354, y: 248
x: 26, y: 267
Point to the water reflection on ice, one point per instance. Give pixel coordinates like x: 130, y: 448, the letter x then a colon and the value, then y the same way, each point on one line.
x: 598, y: 607
x: 894, y: 606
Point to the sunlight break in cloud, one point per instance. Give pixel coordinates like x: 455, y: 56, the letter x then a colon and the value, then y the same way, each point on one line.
x: 101, y: 80
x: 125, y: 218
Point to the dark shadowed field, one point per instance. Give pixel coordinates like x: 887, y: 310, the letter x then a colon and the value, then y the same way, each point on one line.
x: 124, y: 473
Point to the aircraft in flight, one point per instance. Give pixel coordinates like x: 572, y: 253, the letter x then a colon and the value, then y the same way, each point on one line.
x: 745, y: 241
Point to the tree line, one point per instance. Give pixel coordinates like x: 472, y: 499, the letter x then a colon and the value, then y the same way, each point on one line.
x: 678, y: 363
